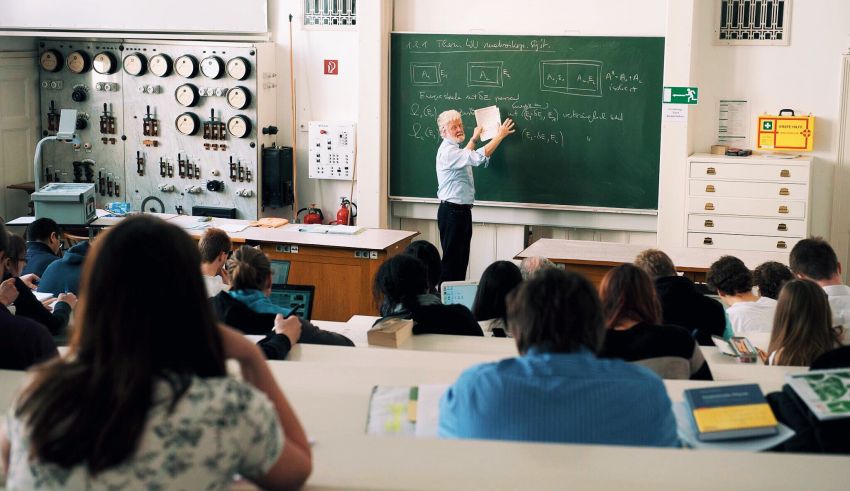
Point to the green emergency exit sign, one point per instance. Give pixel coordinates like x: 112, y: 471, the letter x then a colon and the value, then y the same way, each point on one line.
x: 680, y: 95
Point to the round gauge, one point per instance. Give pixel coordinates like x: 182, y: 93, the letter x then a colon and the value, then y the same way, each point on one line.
x: 238, y: 97
x: 187, y: 95
x: 212, y: 67
x: 78, y: 62
x: 135, y: 64
x: 239, y: 68
x: 239, y: 126
x: 51, y: 60
x: 160, y: 65
x: 104, y: 63
x: 188, y: 123
x: 186, y: 66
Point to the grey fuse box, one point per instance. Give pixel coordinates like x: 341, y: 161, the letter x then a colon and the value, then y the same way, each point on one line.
x: 65, y: 203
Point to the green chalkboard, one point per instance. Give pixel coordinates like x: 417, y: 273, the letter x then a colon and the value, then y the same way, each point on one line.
x: 587, y: 112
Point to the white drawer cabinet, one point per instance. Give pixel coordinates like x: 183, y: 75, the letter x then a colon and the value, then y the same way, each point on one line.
x: 750, y: 203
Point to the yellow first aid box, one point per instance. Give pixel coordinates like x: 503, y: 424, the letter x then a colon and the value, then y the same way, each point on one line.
x: 793, y: 133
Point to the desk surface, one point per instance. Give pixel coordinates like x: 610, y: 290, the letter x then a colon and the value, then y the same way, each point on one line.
x: 614, y: 254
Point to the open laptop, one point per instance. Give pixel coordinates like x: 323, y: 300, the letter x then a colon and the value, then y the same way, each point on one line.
x: 280, y: 271
x: 458, y: 292
x: 299, y: 298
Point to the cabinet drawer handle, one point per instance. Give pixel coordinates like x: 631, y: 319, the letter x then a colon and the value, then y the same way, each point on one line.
x: 708, y: 241
x: 781, y: 245
x: 783, y: 209
x: 709, y: 188
x: 709, y: 223
x: 784, y: 192
x: 711, y: 171
x: 785, y: 173
x: 709, y: 206
x: 782, y: 227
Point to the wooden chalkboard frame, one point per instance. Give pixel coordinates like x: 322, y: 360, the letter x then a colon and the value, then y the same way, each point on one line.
x: 531, y: 204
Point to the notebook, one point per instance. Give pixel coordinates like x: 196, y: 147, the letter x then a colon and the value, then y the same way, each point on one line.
x: 299, y: 298
x: 458, y: 292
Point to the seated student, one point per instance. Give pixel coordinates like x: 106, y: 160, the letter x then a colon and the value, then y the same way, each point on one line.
x: 44, y: 239
x: 430, y: 257
x: 215, y: 248
x: 143, y: 399
x: 747, y: 312
x: 27, y: 305
x: 769, y: 277
x: 682, y: 304
x: 247, y: 307
x: 802, y: 326
x: 814, y: 259
x: 23, y: 342
x: 489, y: 305
x: 557, y: 390
x: 530, y: 266
x: 632, y: 317
x: 64, y: 275
x: 401, y: 288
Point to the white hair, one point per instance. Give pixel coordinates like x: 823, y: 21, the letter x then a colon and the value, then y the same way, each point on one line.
x: 445, y: 118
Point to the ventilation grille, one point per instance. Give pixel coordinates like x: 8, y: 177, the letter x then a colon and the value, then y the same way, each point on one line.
x: 320, y: 14
x: 753, y: 22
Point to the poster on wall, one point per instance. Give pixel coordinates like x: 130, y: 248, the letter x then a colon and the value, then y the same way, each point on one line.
x: 733, y: 123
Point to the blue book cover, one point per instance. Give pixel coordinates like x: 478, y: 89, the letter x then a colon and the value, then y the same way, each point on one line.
x: 727, y: 412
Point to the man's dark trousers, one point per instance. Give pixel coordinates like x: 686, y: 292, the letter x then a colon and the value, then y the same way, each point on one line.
x: 455, y: 224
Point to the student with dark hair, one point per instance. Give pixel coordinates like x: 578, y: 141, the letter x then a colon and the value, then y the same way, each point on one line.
x: 802, y: 326
x: 401, y: 288
x: 814, y: 259
x: 557, y: 390
x: 430, y: 257
x: 27, y: 305
x: 634, y: 329
x: 747, y: 312
x: 44, y: 239
x: 143, y: 400
x: 215, y: 247
x: 769, y: 277
x: 682, y: 304
x: 23, y: 341
x: 489, y: 306
x: 247, y: 307
x: 64, y: 275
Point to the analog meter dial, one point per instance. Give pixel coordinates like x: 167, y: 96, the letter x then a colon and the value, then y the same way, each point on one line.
x: 135, y: 64
x: 238, y: 68
x: 187, y: 123
x: 187, y: 95
x: 160, y: 65
x: 238, y: 97
x: 239, y: 126
x: 186, y: 66
x: 105, y: 63
x: 78, y: 62
x: 212, y: 67
x: 51, y: 60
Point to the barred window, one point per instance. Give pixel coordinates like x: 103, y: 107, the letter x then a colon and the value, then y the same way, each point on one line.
x: 753, y: 22
x: 330, y: 13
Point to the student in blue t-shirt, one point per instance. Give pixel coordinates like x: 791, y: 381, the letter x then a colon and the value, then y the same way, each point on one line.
x: 557, y: 390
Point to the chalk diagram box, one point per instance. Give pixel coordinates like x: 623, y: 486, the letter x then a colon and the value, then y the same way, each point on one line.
x: 425, y: 73
x: 484, y: 74
x: 573, y: 77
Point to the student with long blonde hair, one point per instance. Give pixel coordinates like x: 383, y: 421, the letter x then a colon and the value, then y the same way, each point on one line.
x: 802, y: 325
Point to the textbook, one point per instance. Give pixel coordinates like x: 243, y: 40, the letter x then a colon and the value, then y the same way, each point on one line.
x: 405, y: 410
x: 729, y: 412
x: 390, y: 332
x: 825, y: 392
x: 737, y: 346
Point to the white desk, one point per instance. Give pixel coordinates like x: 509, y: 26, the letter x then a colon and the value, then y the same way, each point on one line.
x: 725, y: 367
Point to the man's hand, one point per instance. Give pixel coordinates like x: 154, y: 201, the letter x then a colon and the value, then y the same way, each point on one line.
x: 225, y: 278
x: 31, y: 280
x: 506, y: 128
x: 476, y: 133
x: 68, y: 298
x: 289, y: 327
x: 8, y: 291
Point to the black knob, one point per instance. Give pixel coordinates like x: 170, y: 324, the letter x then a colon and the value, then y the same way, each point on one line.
x: 270, y: 130
x: 81, y: 123
x: 215, y: 185
x: 79, y: 95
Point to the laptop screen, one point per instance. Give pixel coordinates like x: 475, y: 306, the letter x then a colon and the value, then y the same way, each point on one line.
x: 280, y: 272
x: 299, y: 298
x: 459, y: 292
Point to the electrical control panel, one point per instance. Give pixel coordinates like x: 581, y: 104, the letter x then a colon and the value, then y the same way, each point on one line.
x: 180, y: 122
x: 331, y: 150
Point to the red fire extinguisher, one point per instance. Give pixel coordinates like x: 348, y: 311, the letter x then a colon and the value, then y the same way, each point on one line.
x: 313, y: 216
x: 345, y: 216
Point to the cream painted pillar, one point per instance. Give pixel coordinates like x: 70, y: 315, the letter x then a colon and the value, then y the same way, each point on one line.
x: 676, y: 141
x: 374, y: 23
